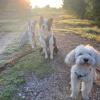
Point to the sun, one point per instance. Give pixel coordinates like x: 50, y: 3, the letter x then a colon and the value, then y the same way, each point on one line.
x: 43, y: 3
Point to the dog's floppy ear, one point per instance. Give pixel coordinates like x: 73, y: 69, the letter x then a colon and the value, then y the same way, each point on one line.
x: 97, y: 55
x: 97, y: 59
x: 41, y: 20
x: 50, y: 22
x: 70, y: 58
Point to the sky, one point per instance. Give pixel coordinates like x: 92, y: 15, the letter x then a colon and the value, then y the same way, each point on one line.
x: 42, y: 3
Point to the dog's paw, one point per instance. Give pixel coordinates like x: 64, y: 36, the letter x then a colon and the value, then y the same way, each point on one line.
x: 69, y: 98
x: 46, y: 57
x: 85, y: 98
x: 51, y: 57
x: 33, y: 46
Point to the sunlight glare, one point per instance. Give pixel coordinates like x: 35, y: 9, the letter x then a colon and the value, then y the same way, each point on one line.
x: 43, y: 3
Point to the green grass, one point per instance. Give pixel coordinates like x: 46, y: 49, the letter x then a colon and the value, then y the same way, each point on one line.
x: 14, y: 77
x: 73, y: 21
x: 80, y: 32
x: 46, y: 12
x: 92, y: 30
x: 34, y: 62
x: 12, y: 26
x: 12, y: 48
x: 83, y: 28
x: 9, y: 82
x: 17, y: 24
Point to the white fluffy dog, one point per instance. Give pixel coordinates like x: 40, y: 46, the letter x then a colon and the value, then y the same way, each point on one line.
x: 84, y: 60
x: 47, y: 39
x: 29, y: 35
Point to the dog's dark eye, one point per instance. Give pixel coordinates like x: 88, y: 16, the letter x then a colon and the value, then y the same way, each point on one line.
x: 80, y: 54
x: 90, y: 54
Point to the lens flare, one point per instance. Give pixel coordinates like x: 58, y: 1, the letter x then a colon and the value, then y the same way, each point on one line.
x: 43, y: 3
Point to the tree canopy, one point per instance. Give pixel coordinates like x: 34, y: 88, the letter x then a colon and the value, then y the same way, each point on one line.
x: 84, y: 8
x: 19, y: 6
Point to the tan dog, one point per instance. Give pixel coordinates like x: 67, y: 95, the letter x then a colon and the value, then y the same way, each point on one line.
x: 29, y: 35
x: 47, y: 39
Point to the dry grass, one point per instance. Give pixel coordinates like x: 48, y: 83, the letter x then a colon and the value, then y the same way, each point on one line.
x: 83, y: 28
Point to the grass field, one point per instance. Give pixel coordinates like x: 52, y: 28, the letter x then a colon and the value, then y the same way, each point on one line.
x: 83, y: 28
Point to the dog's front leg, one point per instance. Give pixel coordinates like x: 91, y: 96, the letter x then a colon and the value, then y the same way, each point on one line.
x: 45, y: 52
x: 86, y: 89
x: 51, y: 47
x: 51, y: 51
x: 43, y: 45
x: 75, y: 86
x: 31, y: 40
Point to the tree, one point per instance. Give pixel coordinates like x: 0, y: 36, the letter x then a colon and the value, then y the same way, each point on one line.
x: 3, y: 4
x: 93, y: 10
x: 47, y: 6
x: 84, y: 8
x: 76, y: 6
x: 17, y: 6
x: 96, y: 9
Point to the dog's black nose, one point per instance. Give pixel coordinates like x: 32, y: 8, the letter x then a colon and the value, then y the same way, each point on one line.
x: 85, y: 59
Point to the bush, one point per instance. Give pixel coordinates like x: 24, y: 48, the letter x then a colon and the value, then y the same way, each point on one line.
x: 76, y: 6
x: 84, y: 8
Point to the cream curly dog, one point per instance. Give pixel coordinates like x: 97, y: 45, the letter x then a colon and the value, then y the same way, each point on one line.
x: 84, y: 60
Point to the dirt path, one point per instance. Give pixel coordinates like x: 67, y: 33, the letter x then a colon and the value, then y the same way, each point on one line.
x: 5, y: 40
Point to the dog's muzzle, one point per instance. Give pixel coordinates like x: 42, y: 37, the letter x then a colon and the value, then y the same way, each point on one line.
x: 86, y: 60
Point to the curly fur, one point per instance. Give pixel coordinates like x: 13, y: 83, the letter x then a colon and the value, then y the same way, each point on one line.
x: 84, y: 61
